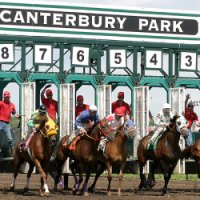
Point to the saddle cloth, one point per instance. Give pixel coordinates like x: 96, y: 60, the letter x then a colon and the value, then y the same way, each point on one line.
x: 154, y: 145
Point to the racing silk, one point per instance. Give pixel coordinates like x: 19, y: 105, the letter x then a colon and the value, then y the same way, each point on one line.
x: 162, y: 119
x: 85, y: 118
x: 191, y: 117
x: 36, y: 119
x: 113, y: 122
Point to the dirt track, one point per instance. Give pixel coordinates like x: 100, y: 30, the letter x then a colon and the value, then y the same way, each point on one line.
x: 178, y: 190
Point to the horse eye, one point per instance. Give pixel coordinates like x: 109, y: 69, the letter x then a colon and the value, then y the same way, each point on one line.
x: 179, y: 123
x: 47, y: 126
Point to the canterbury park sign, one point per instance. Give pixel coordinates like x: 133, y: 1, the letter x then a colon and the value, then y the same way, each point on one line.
x: 78, y: 21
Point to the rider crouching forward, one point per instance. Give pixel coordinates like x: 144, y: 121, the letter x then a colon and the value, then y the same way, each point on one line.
x: 162, y: 121
x: 86, y: 120
x: 36, y: 118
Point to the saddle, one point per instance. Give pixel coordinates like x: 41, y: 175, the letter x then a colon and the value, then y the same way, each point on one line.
x: 154, y: 145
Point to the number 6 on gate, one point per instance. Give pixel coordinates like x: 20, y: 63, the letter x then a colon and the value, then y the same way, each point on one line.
x: 80, y: 56
x: 43, y: 54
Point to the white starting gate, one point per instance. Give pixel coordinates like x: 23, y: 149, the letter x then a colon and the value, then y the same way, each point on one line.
x: 67, y: 105
x: 67, y: 114
x: 28, y: 102
x: 141, y: 113
x: 104, y: 93
x: 177, y: 101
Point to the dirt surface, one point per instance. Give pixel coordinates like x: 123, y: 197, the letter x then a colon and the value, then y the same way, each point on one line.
x: 183, y: 190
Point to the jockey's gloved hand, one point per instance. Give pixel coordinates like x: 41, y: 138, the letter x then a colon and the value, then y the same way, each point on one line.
x: 47, y: 86
x: 82, y: 130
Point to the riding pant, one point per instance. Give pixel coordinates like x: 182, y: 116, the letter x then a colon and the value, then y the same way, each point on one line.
x: 157, y: 131
x: 188, y: 139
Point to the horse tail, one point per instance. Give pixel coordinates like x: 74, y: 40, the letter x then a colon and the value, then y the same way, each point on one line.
x: 186, y: 153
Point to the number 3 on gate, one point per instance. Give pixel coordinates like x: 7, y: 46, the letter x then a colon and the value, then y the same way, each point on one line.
x: 80, y: 56
x: 6, y: 53
x: 43, y: 54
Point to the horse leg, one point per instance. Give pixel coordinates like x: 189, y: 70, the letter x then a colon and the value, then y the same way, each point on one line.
x: 109, y: 168
x: 165, y: 169
x: 17, y: 164
x: 100, y: 169
x: 31, y: 167
x: 142, y: 177
x: 43, y: 178
x: 85, y: 184
x: 77, y: 181
x: 120, y: 178
x: 151, y: 177
x: 59, y: 164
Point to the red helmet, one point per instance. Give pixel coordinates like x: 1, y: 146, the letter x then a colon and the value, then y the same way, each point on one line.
x: 6, y: 94
x: 119, y: 112
x: 49, y: 92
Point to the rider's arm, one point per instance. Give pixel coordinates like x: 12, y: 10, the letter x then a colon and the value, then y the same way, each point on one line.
x: 78, y: 121
x: 186, y: 100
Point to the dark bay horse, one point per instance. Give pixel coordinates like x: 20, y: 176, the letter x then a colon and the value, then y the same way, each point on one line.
x: 165, y: 156
x: 115, y: 153
x: 85, y: 155
x: 38, y: 154
x: 193, y: 151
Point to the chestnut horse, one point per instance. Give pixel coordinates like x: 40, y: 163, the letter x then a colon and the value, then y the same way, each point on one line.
x: 193, y: 151
x: 84, y: 155
x: 38, y: 154
x: 166, y: 155
x: 115, y: 153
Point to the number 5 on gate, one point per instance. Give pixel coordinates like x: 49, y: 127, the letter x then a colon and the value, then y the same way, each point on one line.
x: 43, y: 54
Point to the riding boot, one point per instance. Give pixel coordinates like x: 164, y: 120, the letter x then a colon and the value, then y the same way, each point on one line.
x: 11, y: 151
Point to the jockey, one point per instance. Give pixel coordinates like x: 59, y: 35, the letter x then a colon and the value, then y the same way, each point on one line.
x: 36, y: 118
x: 86, y: 120
x: 162, y: 121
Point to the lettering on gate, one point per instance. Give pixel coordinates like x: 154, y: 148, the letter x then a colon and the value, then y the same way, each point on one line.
x: 96, y: 21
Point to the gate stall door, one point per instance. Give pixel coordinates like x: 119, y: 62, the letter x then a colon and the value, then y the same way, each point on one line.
x: 141, y: 113
x: 67, y: 109
x: 67, y: 114
x: 177, y: 102
x: 28, y: 104
x: 104, y: 100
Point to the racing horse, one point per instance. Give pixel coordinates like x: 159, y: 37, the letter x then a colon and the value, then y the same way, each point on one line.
x: 38, y: 154
x: 115, y: 153
x: 193, y: 151
x: 166, y: 155
x: 84, y: 155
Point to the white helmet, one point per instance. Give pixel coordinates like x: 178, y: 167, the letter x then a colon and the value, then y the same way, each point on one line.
x: 166, y: 105
x: 93, y: 108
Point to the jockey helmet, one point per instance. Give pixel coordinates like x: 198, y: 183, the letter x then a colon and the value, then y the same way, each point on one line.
x: 119, y: 112
x: 92, y: 108
x: 6, y: 94
x: 49, y: 92
x: 166, y: 106
x: 42, y: 109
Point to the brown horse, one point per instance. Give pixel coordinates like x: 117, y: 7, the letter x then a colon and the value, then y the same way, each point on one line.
x: 84, y: 155
x: 166, y: 155
x: 38, y: 154
x: 115, y: 153
x: 193, y: 151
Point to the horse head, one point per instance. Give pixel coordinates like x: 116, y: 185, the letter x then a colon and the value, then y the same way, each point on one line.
x: 180, y: 124
x: 48, y: 128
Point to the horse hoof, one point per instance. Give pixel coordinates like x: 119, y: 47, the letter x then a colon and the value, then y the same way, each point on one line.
x: 86, y: 194
x: 109, y: 194
x: 47, y: 194
x: 11, y: 188
x: 90, y: 189
x: 119, y: 194
x: 26, y: 189
x: 41, y: 194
